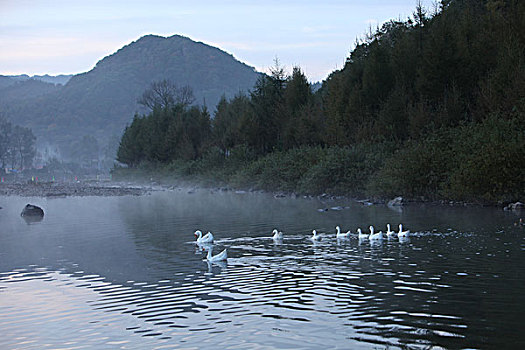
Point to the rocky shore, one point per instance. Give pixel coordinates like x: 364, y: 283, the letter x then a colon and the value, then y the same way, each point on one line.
x: 65, y: 189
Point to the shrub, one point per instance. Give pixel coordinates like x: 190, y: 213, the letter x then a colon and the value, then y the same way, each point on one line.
x: 474, y: 162
x: 490, y: 161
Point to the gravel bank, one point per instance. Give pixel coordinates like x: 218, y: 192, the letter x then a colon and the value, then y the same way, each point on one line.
x: 64, y: 189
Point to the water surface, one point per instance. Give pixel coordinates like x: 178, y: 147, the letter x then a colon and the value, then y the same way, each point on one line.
x: 124, y: 272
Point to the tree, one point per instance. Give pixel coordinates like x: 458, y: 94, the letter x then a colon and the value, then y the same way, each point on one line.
x: 233, y: 123
x: 5, y: 140
x: 165, y: 94
x: 268, y: 110
x: 17, y: 145
x: 23, y: 143
x: 131, y: 148
x: 297, y: 95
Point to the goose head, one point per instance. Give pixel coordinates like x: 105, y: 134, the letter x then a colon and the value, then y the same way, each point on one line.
x: 371, y: 229
x: 359, y: 231
x: 400, y: 228
x: 198, y: 234
x: 338, y: 229
x: 388, y: 227
x: 275, y: 232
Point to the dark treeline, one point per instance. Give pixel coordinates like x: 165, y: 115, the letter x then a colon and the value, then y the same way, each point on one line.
x: 430, y: 107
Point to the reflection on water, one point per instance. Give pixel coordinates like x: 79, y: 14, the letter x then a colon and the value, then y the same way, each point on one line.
x: 125, y: 272
x: 32, y: 219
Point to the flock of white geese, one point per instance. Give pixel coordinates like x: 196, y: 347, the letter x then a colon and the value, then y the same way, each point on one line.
x: 207, y: 240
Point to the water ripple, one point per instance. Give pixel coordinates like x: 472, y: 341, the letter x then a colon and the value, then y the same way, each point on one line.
x: 143, y: 283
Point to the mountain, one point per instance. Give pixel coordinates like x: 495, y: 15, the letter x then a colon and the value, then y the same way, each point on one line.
x: 103, y: 101
x: 7, y: 80
x: 16, y: 91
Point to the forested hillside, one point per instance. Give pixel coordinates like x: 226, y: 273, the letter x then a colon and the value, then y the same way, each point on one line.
x: 430, y: 108
x: 21, y: 91
x: 98, y: 104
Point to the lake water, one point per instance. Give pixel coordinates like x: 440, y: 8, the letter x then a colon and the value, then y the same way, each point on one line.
x: 124, y: 272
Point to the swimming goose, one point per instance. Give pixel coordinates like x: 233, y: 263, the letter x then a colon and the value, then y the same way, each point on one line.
x: 341, y: 235
x: 402, y: 233
x: 277, y: 235
x: 315, y: 236
x: 375, y: 236
x: 389, y: 232
x: 208, y: 238
x: 362, y: 235
x: 219, y: 257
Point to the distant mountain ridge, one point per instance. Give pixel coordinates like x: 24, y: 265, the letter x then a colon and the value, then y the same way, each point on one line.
x: 7, y: 80
x: 102, y: 101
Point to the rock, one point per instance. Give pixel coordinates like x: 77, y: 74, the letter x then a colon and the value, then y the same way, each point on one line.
x: 515, y: 206
x: 32, y: 210
x: 365, y: 202
x: 396, y: 201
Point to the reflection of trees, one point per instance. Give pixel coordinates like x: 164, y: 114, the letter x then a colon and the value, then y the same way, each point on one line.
x: 375, y: 286
x: 165, y: 221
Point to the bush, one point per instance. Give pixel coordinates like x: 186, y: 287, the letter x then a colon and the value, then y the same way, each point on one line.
x: 490, y: 162
x: 345, y: 170
x: 315, y: 170
x: 416, y: 170
x: 279, y: 171
x: 473, y: 162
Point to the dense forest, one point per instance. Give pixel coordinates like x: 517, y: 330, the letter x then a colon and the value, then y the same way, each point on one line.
x: 429, y: 108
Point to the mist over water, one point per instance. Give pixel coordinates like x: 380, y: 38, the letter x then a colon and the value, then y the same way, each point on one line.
x: 125, y: 272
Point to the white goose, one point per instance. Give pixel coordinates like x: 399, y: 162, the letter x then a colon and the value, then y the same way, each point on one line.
x: 219, y: 257
x: 362, y: 235
x: 375, y: 236
x: 341, y: 235
x: 389, y: 232
x: 315, y: 236
x: 401, y: 233
x: 207, y: 238
x: 277, y: 235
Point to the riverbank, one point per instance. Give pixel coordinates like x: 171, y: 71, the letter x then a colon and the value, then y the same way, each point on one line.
x: 79, y: 189
x: 195, y: 183
x: 137, y: 182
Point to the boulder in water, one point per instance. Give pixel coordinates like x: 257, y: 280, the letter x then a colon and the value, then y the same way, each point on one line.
x: 396, y: 201
x: 515, y: 206
x: 32, y: 210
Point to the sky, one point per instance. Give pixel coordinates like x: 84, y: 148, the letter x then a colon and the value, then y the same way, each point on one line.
x: 69, y: 37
